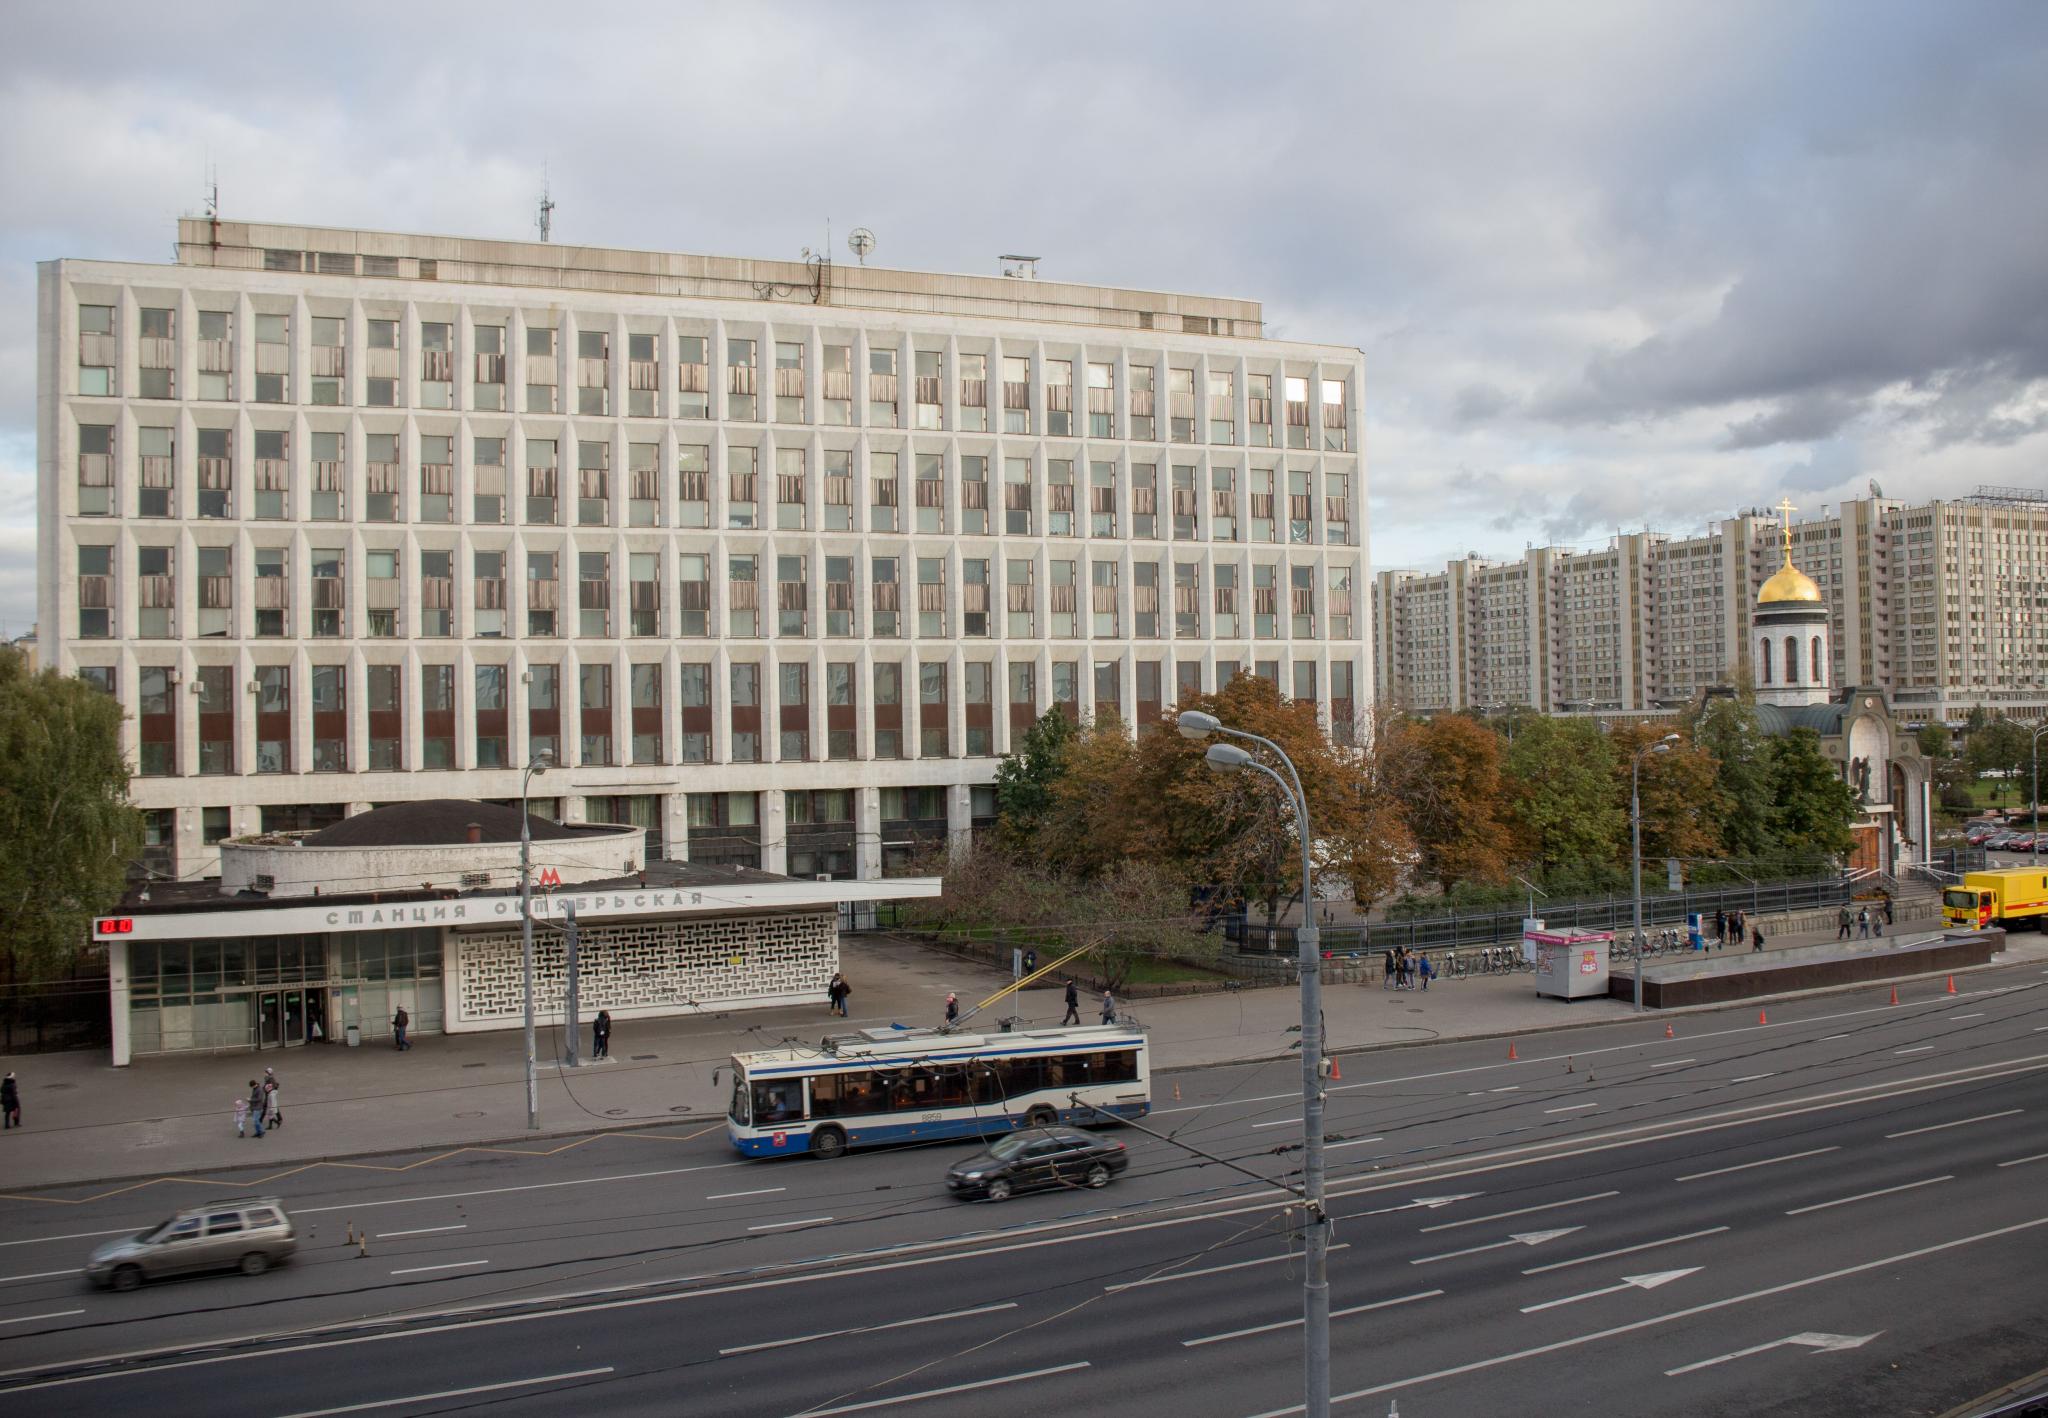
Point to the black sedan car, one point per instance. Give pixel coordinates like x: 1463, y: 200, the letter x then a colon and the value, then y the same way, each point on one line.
x: 1038, y: 1157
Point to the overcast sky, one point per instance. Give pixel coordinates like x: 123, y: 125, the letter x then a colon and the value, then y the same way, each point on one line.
x: 1611, y: 266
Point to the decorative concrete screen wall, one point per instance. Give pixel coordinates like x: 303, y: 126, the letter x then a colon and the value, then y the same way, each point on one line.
x: 640, y: 969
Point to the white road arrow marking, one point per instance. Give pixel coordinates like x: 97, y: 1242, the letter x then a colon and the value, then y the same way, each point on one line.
x: 1430, y: 1203
x: 1819, y: 1343
x: 1636, y: 1282
x: 1521, y: 1238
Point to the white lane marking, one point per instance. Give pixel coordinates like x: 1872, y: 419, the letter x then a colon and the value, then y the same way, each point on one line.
x: 39, y: 1275
x: 2041, y: 1028
x: 1824, y: 1343
x: 1628, y: 1282
x: 453, y: 1265
x: 2022, y: 1161
x: 1673, y: 1063
x: 1752, y: 1077
x: 1635, y: 1326
x: 1574, y: 1108
x: 728, y: 1196
x: 1916, y: 1049
x: 1865, y: 1196
x: 618, y: 1297
x: 422, y: 1231
x: 784, y: 1225
x: 1282, y: 1123
x: 942, y: 1392
x: 1295, y: 1323
x: 867, y: 1329
x: 1829, y: 1038
x: 1745, y: 1166
x: 1520, y: 1211
x: 453, y: 1393
x: 50, y: 1315
x: 1576, y: 1054
x: 1208, y: 1270
x: 1351, y: 1142
x: 1524, y: 1238
x: 1511, y: 1088
x: 503, y: 1191
x: 72, y: 1236
x: 1959, y: 1122
x: 1978, y: 1015
x: 1624, y: 1251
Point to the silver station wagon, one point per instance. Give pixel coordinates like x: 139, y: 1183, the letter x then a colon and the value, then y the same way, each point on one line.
x: 250, y: 1235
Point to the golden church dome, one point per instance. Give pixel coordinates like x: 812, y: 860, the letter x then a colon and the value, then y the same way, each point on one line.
x: 1789, y: 583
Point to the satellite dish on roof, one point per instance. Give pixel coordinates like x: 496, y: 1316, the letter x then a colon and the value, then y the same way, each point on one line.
x: 860, y: 241
x: 1875, y: 490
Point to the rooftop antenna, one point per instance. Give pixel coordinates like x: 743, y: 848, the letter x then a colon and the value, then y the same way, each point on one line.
x: 860, y: 241
x: 546, y: 220
x: 213, y: 206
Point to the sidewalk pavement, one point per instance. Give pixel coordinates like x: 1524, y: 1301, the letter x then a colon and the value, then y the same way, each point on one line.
x: 85, y: 1120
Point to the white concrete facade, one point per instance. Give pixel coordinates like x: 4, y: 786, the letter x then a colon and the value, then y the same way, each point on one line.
x: 252, y: 537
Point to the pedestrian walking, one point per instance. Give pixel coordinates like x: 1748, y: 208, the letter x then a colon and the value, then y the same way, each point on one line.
x: 1387, y: 982
x: 1108, y: 1007
x: 1426, y: 970
x: 10, y: 1102
x: 601, y: 1035
x: 1756, y: 938
x: 1842, y: 924
x: 1737, y: 925
x: 1877, y: 923
x: 273, y: 1100
x: 832, y: 993
x: 1720, y: 928
x: 254, y: 1103
x: 400, y: 1022
x: 1030, y: 963
x: 952, y: 1009
x: 1863, y: 923
x: 1073, y: 1014
x: 1886, y: 897
x: 241, y: 1116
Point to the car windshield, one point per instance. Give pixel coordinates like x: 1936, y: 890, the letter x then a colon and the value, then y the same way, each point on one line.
x: 158, y: 1231
x: 1959, y: 899
x: 1008, y: 1147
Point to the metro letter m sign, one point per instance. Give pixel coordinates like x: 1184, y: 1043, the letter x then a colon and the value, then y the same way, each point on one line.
x: 549, y: 877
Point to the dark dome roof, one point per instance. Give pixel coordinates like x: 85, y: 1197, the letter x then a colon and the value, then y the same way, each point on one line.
x: 438, y: 822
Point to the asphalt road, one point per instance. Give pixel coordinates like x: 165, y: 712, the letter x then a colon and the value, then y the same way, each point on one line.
x: 1841, y: 1210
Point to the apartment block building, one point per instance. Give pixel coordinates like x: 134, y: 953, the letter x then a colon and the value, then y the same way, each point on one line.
x: 770, y: 558
x: 1943, y: 605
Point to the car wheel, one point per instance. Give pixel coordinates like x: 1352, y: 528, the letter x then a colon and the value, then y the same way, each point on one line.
x: 1098, y: 1176
x: 255, y: 1263
x: 828, y: 1143
x: 128, y: 1277
x: 999, y: 1189
x: 1041, y: 1117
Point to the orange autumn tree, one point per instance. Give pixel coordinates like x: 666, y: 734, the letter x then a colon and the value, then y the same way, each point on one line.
x: 1453, y: 797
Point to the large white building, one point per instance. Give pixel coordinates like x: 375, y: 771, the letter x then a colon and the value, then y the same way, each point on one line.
x: 772, y: 557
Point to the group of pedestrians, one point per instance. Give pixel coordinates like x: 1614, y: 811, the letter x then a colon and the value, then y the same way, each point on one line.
x: 1406, y: 970
x: 1868, y: 923
x: 1730, y: 926
x: 836, y: 993
x: 263, y: 1107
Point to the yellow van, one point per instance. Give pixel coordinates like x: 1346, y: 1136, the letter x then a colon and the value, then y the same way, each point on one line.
x: 1998, y: 898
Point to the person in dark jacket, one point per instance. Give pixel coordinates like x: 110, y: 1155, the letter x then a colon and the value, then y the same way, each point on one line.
x: 1756, y: 938
x: 10, y: 1102
x: 400, y: 1022
x: 601, y: 1035
x: 952, y: 1009
x: 1073, y: 1014
x: 258, y: 1105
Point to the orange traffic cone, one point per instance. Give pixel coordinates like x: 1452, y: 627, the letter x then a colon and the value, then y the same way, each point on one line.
x: 1512, y: 1055
x: 1336, y: 1069
x: 1176, y: 1090
x: 1951, y: 984
x: 1668, y: 1033
x: 1895, y: 994
x: 1763, y: 1017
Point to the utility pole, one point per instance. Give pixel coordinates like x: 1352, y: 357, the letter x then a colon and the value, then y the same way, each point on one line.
x: 574, y: 1029
x: 539, y: 764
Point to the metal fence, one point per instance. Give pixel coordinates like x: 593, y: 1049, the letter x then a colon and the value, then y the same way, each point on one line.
x: 1611, y: 913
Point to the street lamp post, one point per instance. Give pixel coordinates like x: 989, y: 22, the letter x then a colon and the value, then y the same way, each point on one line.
x: 1635, y: 818
x: 539, y: 764
x: 2036, y: 746
x: 1315, y: 1282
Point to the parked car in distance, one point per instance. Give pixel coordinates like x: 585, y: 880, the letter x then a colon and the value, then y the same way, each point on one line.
x: 1032, y: 1158
x: 1997, y: 840
x: 249, y: 1234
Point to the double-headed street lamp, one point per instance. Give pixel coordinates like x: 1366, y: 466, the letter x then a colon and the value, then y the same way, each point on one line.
x: 1315, y: 1281
x: 1635, y: 818
x: 539, y: 764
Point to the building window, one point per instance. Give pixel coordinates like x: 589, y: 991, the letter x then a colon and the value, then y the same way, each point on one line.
x: 273, y: 359
x: 932, y: 711
x: 745, y: 709
x: 380, y: 593
x: 693, y: 491
x: 789, y: 381
x: 594, y: 595
x: 643, y: 587
x: 542, y: 374
x: 544, y: 712
x: 793, y: 709
x: 381, y: 473
x: 695, y: 702
x: 973, y: 495
x: 791, y: 490
x: 978, y: 688
x: 593, y: 372
x: 693, y: 594
x: 153, y: 492
x: 437, y: 477
x: 643, y: 485
x: 487, y: 389
x: 1063, y: 590
x: 841, y: 722
x: 743, y: 596
x: 835, y: 403
x: 1144, y: 422
x: 931, y: 597
x: 1259, y: 412
x: 95, y: 592
x: 593, y: 483
x: 216, y: 592
x: 543, y: 482
x: 157, y: 348
x: 329, y: 477
x: 645, y: 688
x: 930, y: 384
x: 330, y: 719
x: 1145, y: 599
x: 643, y: 377
x: 792, y: 595
x: 156, y: 713
x: 886, y: 617
x: 1180, y: 392
x: 1020, y: 609
x: 1016, y: 394
x: 491, y: 717
x: 974, y: 393
x: 741, y: 401
x: 1059, y: 497
x: 888, y: 711
x: 1023, y: 698
x: 974, y: 611
x: 437, y: 716
x: 882, y: 392
x: 1222, y: 407
x: 437, y: 594
x: 216, y: 356
x: 95, y: 470
x: 98, y: 351
x: 885, y: 492
x: 1187, y: 496
x: 330, y: 592
x: 1102, y: 499
x: 1017, y: 497
x: 1101, y: 401
x: 594, y: 715
x: 273, y: 592
x: 839, y: 596
x: 216, y: 719
x: 931, y: 493
x: 742, y: 490
x: 693, y: 378
x: 216, y: 473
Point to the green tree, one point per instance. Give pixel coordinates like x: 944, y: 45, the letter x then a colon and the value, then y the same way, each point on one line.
x: 1562, y: 789
x: 1936, y: 742
x: 1811, y: 807
x: 1025, y: 776
x: 2000, y: 752
x: 1726, y: 729
x: 67, y: 829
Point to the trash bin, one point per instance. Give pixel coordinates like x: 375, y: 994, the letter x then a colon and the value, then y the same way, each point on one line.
x: 354, y: 1032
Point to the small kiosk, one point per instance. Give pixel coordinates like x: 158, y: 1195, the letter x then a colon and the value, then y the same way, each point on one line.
x: 1569, y: 964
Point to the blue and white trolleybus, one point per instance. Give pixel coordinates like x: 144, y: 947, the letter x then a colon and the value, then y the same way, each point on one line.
x: 921, y: 1085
